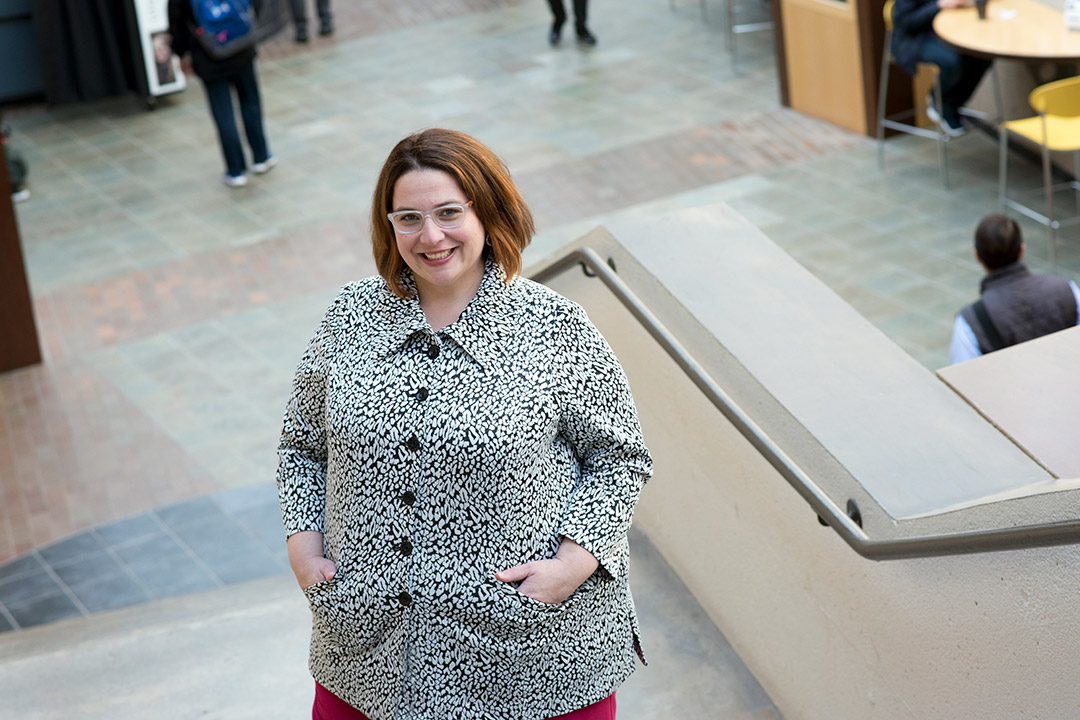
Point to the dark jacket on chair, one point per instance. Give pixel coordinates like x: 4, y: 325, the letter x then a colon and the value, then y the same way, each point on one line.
x: 912, y: 23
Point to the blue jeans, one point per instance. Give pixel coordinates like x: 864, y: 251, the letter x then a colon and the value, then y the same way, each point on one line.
x: 960, y: 75
x: 219, y: 95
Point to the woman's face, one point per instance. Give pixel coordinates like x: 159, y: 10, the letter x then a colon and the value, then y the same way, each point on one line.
x: 443, y: 261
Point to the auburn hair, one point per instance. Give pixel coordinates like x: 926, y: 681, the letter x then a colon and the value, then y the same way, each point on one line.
x: 484, y: 179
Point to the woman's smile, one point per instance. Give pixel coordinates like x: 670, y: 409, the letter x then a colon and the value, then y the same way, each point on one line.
x: 436, y: 256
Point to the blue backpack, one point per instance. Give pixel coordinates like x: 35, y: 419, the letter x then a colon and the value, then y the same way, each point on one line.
x: 224, y: 27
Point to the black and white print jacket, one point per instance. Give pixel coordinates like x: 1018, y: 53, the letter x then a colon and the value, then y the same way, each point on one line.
x: 432, y: 460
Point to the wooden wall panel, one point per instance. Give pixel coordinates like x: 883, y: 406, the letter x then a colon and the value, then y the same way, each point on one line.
x: 18, y: 334
x: 824, y: 62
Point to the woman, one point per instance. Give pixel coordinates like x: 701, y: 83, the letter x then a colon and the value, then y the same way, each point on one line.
x: 459, y: 463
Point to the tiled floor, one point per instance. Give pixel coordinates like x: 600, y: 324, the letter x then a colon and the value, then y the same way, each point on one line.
x: 172, y: 310
x: 207, y: 542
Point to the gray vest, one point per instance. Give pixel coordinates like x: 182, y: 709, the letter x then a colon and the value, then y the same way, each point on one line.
x: 1022, y: 306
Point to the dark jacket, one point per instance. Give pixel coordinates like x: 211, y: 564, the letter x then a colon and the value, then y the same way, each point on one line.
x: 912, y: 23
x: 181, y: 20
x: 1022, y: 306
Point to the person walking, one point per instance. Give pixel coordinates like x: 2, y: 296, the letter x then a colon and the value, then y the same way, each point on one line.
x: 220, y: 77
x: 1015, y: 305
x: 300, y: 22
x: 581, y: 11
x: 458, y: 467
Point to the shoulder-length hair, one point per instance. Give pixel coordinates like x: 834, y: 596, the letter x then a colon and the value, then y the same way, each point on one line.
x: 480, y: 173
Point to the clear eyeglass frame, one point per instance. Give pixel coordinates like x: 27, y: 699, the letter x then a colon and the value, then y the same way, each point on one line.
x: 397, y: 218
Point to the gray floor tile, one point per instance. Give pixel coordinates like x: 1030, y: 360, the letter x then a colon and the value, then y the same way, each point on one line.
x: 87, y: 568
x: 165, y: 569
x: 20, y: 589
x: 109, y: 592
x: 42, y: 610
x: 226, y: 549
x: 70, y: 548
x: 21, y: 567
x: 129, y: 530
x: 196, y: 511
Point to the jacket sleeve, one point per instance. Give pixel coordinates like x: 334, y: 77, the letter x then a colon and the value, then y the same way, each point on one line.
x: 302, y: 451
x: 913, y: 17
x: 600, y: 422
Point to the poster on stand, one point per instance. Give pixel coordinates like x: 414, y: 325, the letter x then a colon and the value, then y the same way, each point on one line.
x: 163, y: 73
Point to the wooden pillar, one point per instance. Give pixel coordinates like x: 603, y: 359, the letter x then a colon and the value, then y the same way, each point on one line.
x: 19, y: 345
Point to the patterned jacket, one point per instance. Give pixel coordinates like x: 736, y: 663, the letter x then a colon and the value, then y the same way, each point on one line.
x: 430, y: 461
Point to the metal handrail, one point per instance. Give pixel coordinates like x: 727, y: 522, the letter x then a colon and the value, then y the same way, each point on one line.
x: 976, y: 541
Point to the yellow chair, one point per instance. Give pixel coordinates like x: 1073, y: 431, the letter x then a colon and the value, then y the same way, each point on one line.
x: 1055, y: 129
x: 894, y: 122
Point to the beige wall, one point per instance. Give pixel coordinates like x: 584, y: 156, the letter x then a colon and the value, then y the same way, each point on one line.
x: 828, y: 633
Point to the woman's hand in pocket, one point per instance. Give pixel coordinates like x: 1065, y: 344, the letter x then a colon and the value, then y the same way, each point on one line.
x: 307, y: 560
x: 552, y: 581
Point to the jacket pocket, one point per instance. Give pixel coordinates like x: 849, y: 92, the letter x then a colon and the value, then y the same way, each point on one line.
x: 346, y: 615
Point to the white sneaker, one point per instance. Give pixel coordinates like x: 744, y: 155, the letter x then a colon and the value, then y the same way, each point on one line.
x: 931, y: 110
x: 932, y: 113
x: 20, y: 195
x: 265, y: 166
x: 234, y: 181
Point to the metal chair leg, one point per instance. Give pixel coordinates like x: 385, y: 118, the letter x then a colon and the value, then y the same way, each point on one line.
x: 997, y: 94
x: 1048, y: 184
x: 1003, y: 167
x: 883, y: 96
x: 943, y: 162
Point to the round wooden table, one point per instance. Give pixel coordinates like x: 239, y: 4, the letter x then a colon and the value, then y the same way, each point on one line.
x: 1013, y: 29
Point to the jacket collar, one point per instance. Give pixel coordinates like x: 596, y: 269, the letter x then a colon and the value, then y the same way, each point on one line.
x: 1009, y: 273
x: 482, y: 330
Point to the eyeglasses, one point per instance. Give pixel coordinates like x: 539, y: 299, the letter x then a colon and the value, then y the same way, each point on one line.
x: 408, y: 222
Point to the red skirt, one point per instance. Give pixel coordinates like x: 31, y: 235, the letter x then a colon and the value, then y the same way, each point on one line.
x: 329, y: 706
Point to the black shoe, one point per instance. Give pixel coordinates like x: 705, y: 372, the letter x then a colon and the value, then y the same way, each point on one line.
x: 554, y: 35
x: 301, y: 36
x: 326, y: 29
x: 585, y: 37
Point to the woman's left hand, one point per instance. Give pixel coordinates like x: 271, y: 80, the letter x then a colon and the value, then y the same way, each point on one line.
x: 552, y: 581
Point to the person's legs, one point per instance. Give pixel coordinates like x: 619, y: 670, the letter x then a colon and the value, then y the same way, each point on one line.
x: 581, y: 12
x: 958, y: 76
x: 328, y: 706
x: 971, y: 74
x: 558, y: 12
x: 603, y: 710
x: 299, y: 18
x: 247, y: 92
x: 221, y: 109
x: 326, y: 18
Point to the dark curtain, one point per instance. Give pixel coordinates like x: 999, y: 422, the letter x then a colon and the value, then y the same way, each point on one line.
x: 86, y: 50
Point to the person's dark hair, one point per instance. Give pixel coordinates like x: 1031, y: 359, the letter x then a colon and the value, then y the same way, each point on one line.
x: 998, y: 241
x: 484, y: 178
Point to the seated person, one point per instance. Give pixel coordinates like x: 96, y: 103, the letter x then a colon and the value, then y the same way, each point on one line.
x: 1015, y: 305
x: 914, y: 41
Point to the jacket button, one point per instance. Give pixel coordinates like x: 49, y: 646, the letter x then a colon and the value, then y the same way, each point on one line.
x: 413, y: 444
x: 422, y: 394
x: 433, y: 351
x: 405, y: 598
x: 406, y: 547
x: 408, y: 498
